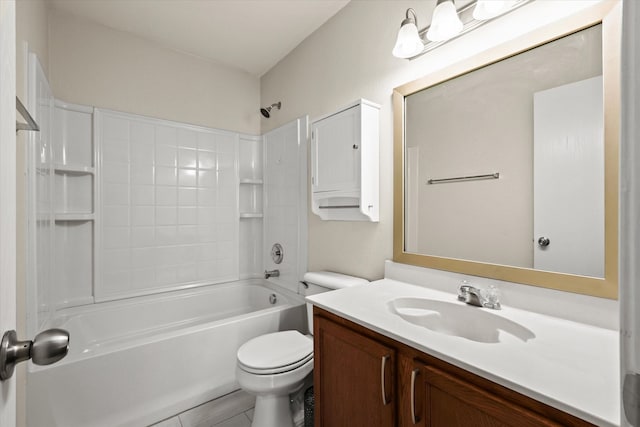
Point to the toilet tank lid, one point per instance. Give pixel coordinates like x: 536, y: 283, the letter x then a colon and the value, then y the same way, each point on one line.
x: 331, y: 280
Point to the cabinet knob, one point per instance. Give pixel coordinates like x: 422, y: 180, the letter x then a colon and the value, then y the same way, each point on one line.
x: 355, y: 146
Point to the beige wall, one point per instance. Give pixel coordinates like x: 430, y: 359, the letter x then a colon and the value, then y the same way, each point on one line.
x: 32, y: 34
x: 94, y: 65
x: 350, y: 57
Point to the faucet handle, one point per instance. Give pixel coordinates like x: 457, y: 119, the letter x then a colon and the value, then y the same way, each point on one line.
x: 491, y: 297
x: 463, y: 290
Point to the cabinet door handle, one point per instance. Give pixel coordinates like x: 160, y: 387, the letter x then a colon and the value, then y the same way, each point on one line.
x: 414, y: 375
x: 383, y: 375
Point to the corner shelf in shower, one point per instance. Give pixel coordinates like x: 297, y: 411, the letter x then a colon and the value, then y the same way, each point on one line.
x: 251, y: 181
x: 246, y: 215
x: 71, y: 216
x: 73, y: 169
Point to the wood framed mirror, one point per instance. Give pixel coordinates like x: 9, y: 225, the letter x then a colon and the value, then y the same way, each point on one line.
x: 506, y: 164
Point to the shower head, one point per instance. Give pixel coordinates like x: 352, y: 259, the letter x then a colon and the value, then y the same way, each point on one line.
x: 266, y: 111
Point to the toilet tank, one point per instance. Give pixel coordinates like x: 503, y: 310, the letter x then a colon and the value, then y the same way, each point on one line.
x: 325, y: 281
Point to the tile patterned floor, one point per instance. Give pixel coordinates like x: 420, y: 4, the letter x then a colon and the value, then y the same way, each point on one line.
x: 232, y: 410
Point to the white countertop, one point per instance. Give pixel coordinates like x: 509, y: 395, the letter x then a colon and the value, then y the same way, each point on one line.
x: 568, y: 365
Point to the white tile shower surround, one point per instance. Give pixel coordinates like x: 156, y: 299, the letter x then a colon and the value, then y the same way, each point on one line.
x: 233, y: 410
x: 169, y: 205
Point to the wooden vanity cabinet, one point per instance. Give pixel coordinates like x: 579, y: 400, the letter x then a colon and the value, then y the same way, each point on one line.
x: 420, y: 390
x: 355, y: 379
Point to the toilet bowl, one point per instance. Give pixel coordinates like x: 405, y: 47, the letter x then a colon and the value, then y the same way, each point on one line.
x: 275, y: 365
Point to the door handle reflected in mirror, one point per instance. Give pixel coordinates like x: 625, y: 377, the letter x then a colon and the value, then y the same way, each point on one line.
x: 543, y: 242
x: 46, y: 348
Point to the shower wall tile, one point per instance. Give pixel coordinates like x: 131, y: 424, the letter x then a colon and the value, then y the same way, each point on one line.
x: 142, y: 236
x: 142, y: 194
x: 187, y: 158
x: 169, y: 214
x: 115, y: 194
x: 166, y: 135
x: 142, y: 215
x: 117, y: 238
x: 188, y: 196
x: 116, y: 151
x: 187, y: 216
x: 207, y: 160
x: 187, y: 138
x: 166, y: 215
x: 115, y: 173
x: 166, y: 235
x: 166, y: 155
x: 116, y: 128
x: 142, y: 153
x: 116, y: 216
x: 142, y: 134
x: 166, y: 175
x: 207, y: 178
x: 206, y: 196
x: 166, y: 196
x: 207, y: 142
x: 141, y: 174
x: 187, y: 177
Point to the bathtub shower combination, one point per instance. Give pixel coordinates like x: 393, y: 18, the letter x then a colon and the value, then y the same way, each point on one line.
x: 141, y: 360
x: 146, y: 241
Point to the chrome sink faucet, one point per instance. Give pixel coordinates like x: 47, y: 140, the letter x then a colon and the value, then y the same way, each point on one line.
x: 271, y: 273
x: 487, y: 298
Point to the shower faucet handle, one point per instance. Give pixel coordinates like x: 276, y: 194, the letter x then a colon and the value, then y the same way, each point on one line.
x: 271, y: 273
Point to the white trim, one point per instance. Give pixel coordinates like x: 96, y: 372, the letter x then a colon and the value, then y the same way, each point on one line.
x: 629, y: 233
x: 8, y: 194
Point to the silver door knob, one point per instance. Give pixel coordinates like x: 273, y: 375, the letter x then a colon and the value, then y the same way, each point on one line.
x: 543, y: 242
x: 46, y: 348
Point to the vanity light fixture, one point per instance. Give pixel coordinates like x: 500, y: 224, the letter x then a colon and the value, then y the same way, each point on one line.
x: 447, y: 23
x: 487, y: 9
x: 408, y: 43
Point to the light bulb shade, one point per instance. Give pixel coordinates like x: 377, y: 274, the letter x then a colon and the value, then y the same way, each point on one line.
x: 408, y: 43
x: 487, y: 9
x: 445, y: 22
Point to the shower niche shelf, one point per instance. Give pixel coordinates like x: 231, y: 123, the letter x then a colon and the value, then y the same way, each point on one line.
x: 250, y: 166
x: 73, y: 192
x: 74, y: 181
x: 251, y: 181
x: 63, y: 169
x: 71, y: 216
x: 249, y: 215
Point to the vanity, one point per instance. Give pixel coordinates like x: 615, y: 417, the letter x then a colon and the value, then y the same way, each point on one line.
x: 379, y: 361
x: 505, y: 174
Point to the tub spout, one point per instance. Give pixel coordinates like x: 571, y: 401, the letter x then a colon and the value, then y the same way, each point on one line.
x: 271, y: 273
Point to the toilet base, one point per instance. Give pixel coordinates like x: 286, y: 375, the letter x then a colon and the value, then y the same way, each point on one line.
x: 272, y: 411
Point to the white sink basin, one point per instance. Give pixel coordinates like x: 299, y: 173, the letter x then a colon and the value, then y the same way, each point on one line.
x: 458, y: 319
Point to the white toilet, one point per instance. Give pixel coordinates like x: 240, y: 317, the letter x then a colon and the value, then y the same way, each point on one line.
x: 273, y: 366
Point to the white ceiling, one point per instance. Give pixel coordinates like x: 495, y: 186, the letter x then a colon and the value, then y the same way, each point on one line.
x: 252, y: 35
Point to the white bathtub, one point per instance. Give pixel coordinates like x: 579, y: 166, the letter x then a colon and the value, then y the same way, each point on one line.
x: 137, y: 361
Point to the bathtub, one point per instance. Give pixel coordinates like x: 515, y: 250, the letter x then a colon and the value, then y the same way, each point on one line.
x: 138, y: 361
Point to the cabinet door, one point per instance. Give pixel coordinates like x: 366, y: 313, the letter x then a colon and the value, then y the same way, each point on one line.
x: 335, y: 152
x: 353, y: 378
x: 453, y: 402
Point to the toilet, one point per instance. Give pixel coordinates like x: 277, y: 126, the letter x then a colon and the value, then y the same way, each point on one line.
x: 273, y: 366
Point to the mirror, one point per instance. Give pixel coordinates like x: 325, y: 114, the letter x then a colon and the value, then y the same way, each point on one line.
x: 506, y: 166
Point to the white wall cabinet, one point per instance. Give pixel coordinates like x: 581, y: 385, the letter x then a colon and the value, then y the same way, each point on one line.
x: 344, y: 163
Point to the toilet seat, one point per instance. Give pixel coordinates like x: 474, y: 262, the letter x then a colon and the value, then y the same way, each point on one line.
x: 275, y: 353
